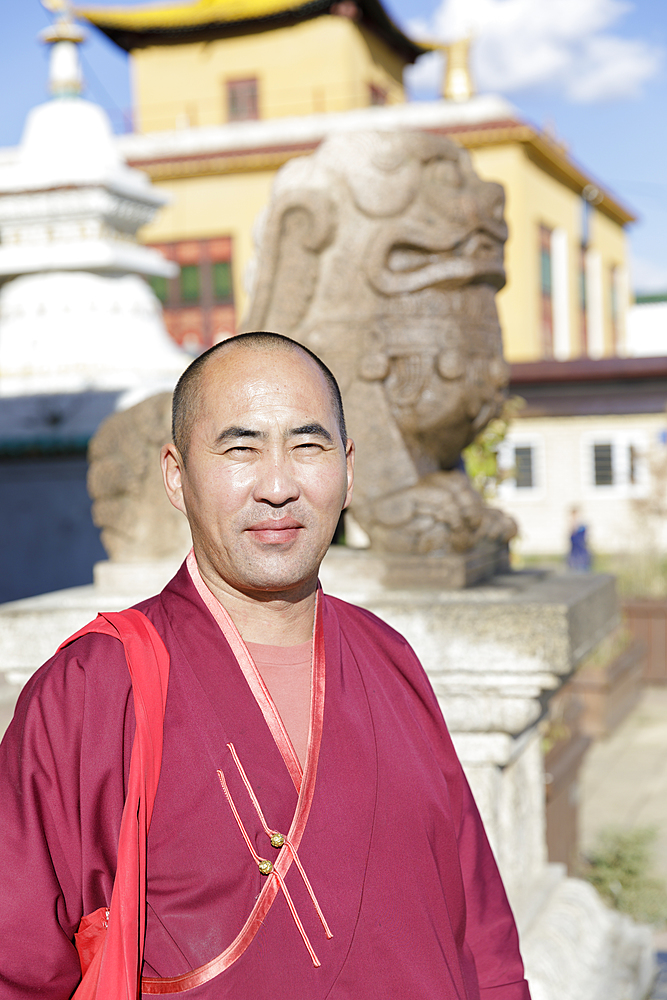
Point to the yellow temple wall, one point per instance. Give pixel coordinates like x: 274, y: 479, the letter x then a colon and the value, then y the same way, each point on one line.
x: 533, y: 198
x: 202, y: 207
x: 229, y: 204
x: 322, y: 65
x: 329, y: 64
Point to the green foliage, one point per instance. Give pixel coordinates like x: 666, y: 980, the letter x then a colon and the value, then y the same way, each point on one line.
x: 481, y: 457
x: 638, y: 574
x: 619, y: 867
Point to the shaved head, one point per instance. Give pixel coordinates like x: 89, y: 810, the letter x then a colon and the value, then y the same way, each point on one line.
x: 188, y: 391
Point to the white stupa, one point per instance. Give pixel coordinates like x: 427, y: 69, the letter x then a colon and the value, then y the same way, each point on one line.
x: 76, y: 313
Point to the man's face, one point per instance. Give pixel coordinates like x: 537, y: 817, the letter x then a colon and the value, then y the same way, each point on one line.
x: 267, y: 474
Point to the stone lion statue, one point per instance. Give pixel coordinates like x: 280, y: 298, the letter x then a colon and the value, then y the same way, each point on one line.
x: 382, y: 252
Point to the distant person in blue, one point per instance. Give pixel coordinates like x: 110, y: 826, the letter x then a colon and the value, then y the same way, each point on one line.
x: 579, y: 556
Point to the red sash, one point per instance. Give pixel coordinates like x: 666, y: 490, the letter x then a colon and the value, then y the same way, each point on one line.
x: 110, y: 941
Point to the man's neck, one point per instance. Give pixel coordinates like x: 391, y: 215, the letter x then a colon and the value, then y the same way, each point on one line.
x: 275, y: 621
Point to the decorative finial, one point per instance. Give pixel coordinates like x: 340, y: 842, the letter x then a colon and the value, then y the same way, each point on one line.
x: 458, y: 84
x: 65, y: 77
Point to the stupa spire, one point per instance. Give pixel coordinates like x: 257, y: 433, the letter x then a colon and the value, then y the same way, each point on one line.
x: 64, y: 36
x: 75, y: 311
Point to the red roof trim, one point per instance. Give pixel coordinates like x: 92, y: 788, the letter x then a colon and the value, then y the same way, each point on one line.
x: 588, y: 370
x: 140, y: 161
x: 486, y: 126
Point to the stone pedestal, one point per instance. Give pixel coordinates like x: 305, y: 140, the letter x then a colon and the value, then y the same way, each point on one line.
x: 32, y: 629
x: 496, y: 655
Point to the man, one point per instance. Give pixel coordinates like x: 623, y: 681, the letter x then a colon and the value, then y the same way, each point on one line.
x: 313, y: 834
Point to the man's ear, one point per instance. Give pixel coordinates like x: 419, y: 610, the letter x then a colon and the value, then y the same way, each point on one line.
x: 349, y: 457
x: 172, y: 475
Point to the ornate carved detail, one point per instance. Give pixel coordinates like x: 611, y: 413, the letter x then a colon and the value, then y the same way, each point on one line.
x: 382, y: 252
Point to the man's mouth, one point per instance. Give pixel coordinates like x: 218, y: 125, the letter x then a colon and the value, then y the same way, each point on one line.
x: 276, y: 532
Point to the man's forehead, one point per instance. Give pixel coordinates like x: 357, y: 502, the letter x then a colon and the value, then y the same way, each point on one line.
x: 242, y: 367
x: 247, y: 377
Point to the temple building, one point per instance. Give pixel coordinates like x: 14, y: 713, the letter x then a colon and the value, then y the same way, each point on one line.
x: 216, y: 61
x: 226, y: 91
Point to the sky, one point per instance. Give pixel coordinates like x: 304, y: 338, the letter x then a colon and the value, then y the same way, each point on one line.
x: 593, y: 71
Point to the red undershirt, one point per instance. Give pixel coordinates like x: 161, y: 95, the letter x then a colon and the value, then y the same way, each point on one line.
x: 286, y: 672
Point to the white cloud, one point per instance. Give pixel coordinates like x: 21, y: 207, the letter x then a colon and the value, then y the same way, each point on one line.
x: 562, y: 44
x: 426, y: 74
x: 613, y: 68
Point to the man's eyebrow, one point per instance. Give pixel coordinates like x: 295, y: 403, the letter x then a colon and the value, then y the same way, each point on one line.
x: 230, y: 433
x: 312, y: 429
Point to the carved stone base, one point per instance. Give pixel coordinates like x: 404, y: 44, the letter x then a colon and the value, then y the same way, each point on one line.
x: 32, y: 629
x: 397, y: 572
x: 579, y: 949
x: 496, y: 654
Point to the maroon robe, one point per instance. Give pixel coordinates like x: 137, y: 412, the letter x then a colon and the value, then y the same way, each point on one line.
x: 393, y: 844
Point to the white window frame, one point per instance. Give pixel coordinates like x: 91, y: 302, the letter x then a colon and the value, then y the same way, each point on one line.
x: 508, y: 490
x: 594, y: 304
x: 620, y: 441
x: 560, y: 294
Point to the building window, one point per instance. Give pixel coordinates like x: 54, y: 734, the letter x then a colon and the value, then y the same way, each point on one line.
x: 521, y: 463
x: 222, y: 281
x: 199, y: 303
x: 560, y: 283
x: 603, y: 463
x: 546, y: 294
x: 242, y: 102
x: 618, y: 465
x: 160, y: 286
x: 377, y: 95
x: 190, y: 285
x: 523, y: 468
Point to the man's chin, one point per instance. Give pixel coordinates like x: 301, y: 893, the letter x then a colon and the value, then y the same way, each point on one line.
x: 279, y: 572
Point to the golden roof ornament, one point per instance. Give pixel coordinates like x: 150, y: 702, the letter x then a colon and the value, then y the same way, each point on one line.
x: 458, y: 85
x: 457, y: 82
x: 177, y: 22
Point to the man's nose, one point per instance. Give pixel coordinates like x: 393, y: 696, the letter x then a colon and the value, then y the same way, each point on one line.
x: 275, y: 483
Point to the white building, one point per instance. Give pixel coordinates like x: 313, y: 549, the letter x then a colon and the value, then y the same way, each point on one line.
x: 592, y: 436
